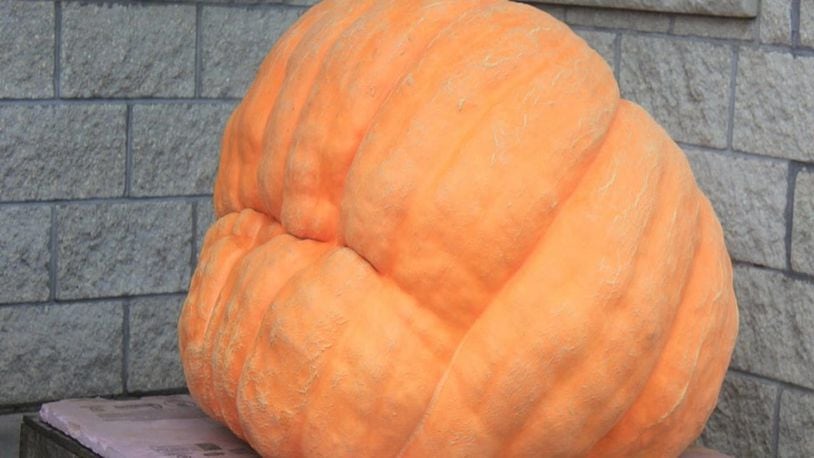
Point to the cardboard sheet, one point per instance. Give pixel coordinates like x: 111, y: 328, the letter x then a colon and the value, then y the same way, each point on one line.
x: 156, y: 426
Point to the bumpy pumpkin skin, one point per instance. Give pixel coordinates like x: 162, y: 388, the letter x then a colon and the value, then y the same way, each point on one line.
x: 441, y: 233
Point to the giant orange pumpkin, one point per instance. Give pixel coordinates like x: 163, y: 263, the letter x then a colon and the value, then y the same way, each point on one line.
x: 441, y: 233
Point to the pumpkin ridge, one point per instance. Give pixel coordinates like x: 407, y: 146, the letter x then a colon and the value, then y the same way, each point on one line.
x: 238, y: 158
x: 420, y: 193
x: 240, y: 229
x: 334, y: 199
x: 271, y: 190
x: 226, y: 339
x: 457, y: 21
x: 631, y: 271
x: 302, y: 412
x: 428, y: 186
x: 667, y: 166
x: 245, y: 242
x: 589, y: 161
x: 214, y: 322
x: 707, y: 333
x: 620, y: 152
x: 328, y: 73
x: 693, y: 267
x: 708, y: 241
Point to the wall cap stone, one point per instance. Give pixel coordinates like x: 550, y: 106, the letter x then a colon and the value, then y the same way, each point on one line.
x: 731, y: 8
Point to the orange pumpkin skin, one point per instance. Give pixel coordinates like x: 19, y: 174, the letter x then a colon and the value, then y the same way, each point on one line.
x: 441, y: 233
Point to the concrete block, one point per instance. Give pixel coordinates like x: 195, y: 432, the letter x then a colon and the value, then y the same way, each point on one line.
x: 56, y: 351
x: 123, y: 248
x: 235, y: 41
x: 176, y: 147
x: 741, y: 424
x: 27, y: 53
x: 62, y: 151
x: 776, y: 335
x: 749, y: 196
x: 683, y: 84
x: 153, y: 359
x: 24, y: 254
x: 774, y: 104
x: 128, y: 50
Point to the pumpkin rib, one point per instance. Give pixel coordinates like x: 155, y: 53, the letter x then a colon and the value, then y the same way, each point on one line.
x: 299, y: 79
x: 679, y: 407
x: 708, y: 243
x: 588, y: 163
x: 360, y: 297
x: 296, y: 441
x: 487, y: 384
x: 455, y: 155
x: 591, y: 160
x: 654, y: 236
x: 286, y: 256
x: 216, y: 315
x: 225, y: 242
x: 242, y: 239
x: 510, y: 85
x: 498, y: 6
x: 691, y: 272
x: 635, y: 271
x: 269, y: 315
x: 251, y: 116
x: 415, y: 49
x: 526, y: 71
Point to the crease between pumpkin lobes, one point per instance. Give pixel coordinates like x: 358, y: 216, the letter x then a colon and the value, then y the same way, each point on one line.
x: 338, y: 369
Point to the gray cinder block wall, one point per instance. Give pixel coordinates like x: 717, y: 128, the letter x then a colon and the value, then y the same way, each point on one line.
x: 110, y: 117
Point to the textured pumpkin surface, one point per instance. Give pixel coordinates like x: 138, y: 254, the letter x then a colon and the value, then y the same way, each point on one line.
x: 442, y: 233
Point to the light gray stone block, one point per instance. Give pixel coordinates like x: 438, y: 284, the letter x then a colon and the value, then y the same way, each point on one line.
x: 741, y: 424
x: 736, y: 8
x: 176, y: 147
x: 774, y: 105
x: 618, y: 19
x: 601, y: 42
x: 27, y: 53
x: 123, y: 248
x: 61, y: 152
x: 796, y: 437
x: 235, y: 41
x: 776, y: 335
x: 775, y: 21
x: 128, y: 50
x: 807, y: 23
x: 153, y: 360
x: 206, y: 217
x: 749, y: 196
x: 24, y: 255
x: 715, y: 27
x: 683, y: 84
x: 55, y: 351
x: 802, y: 232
